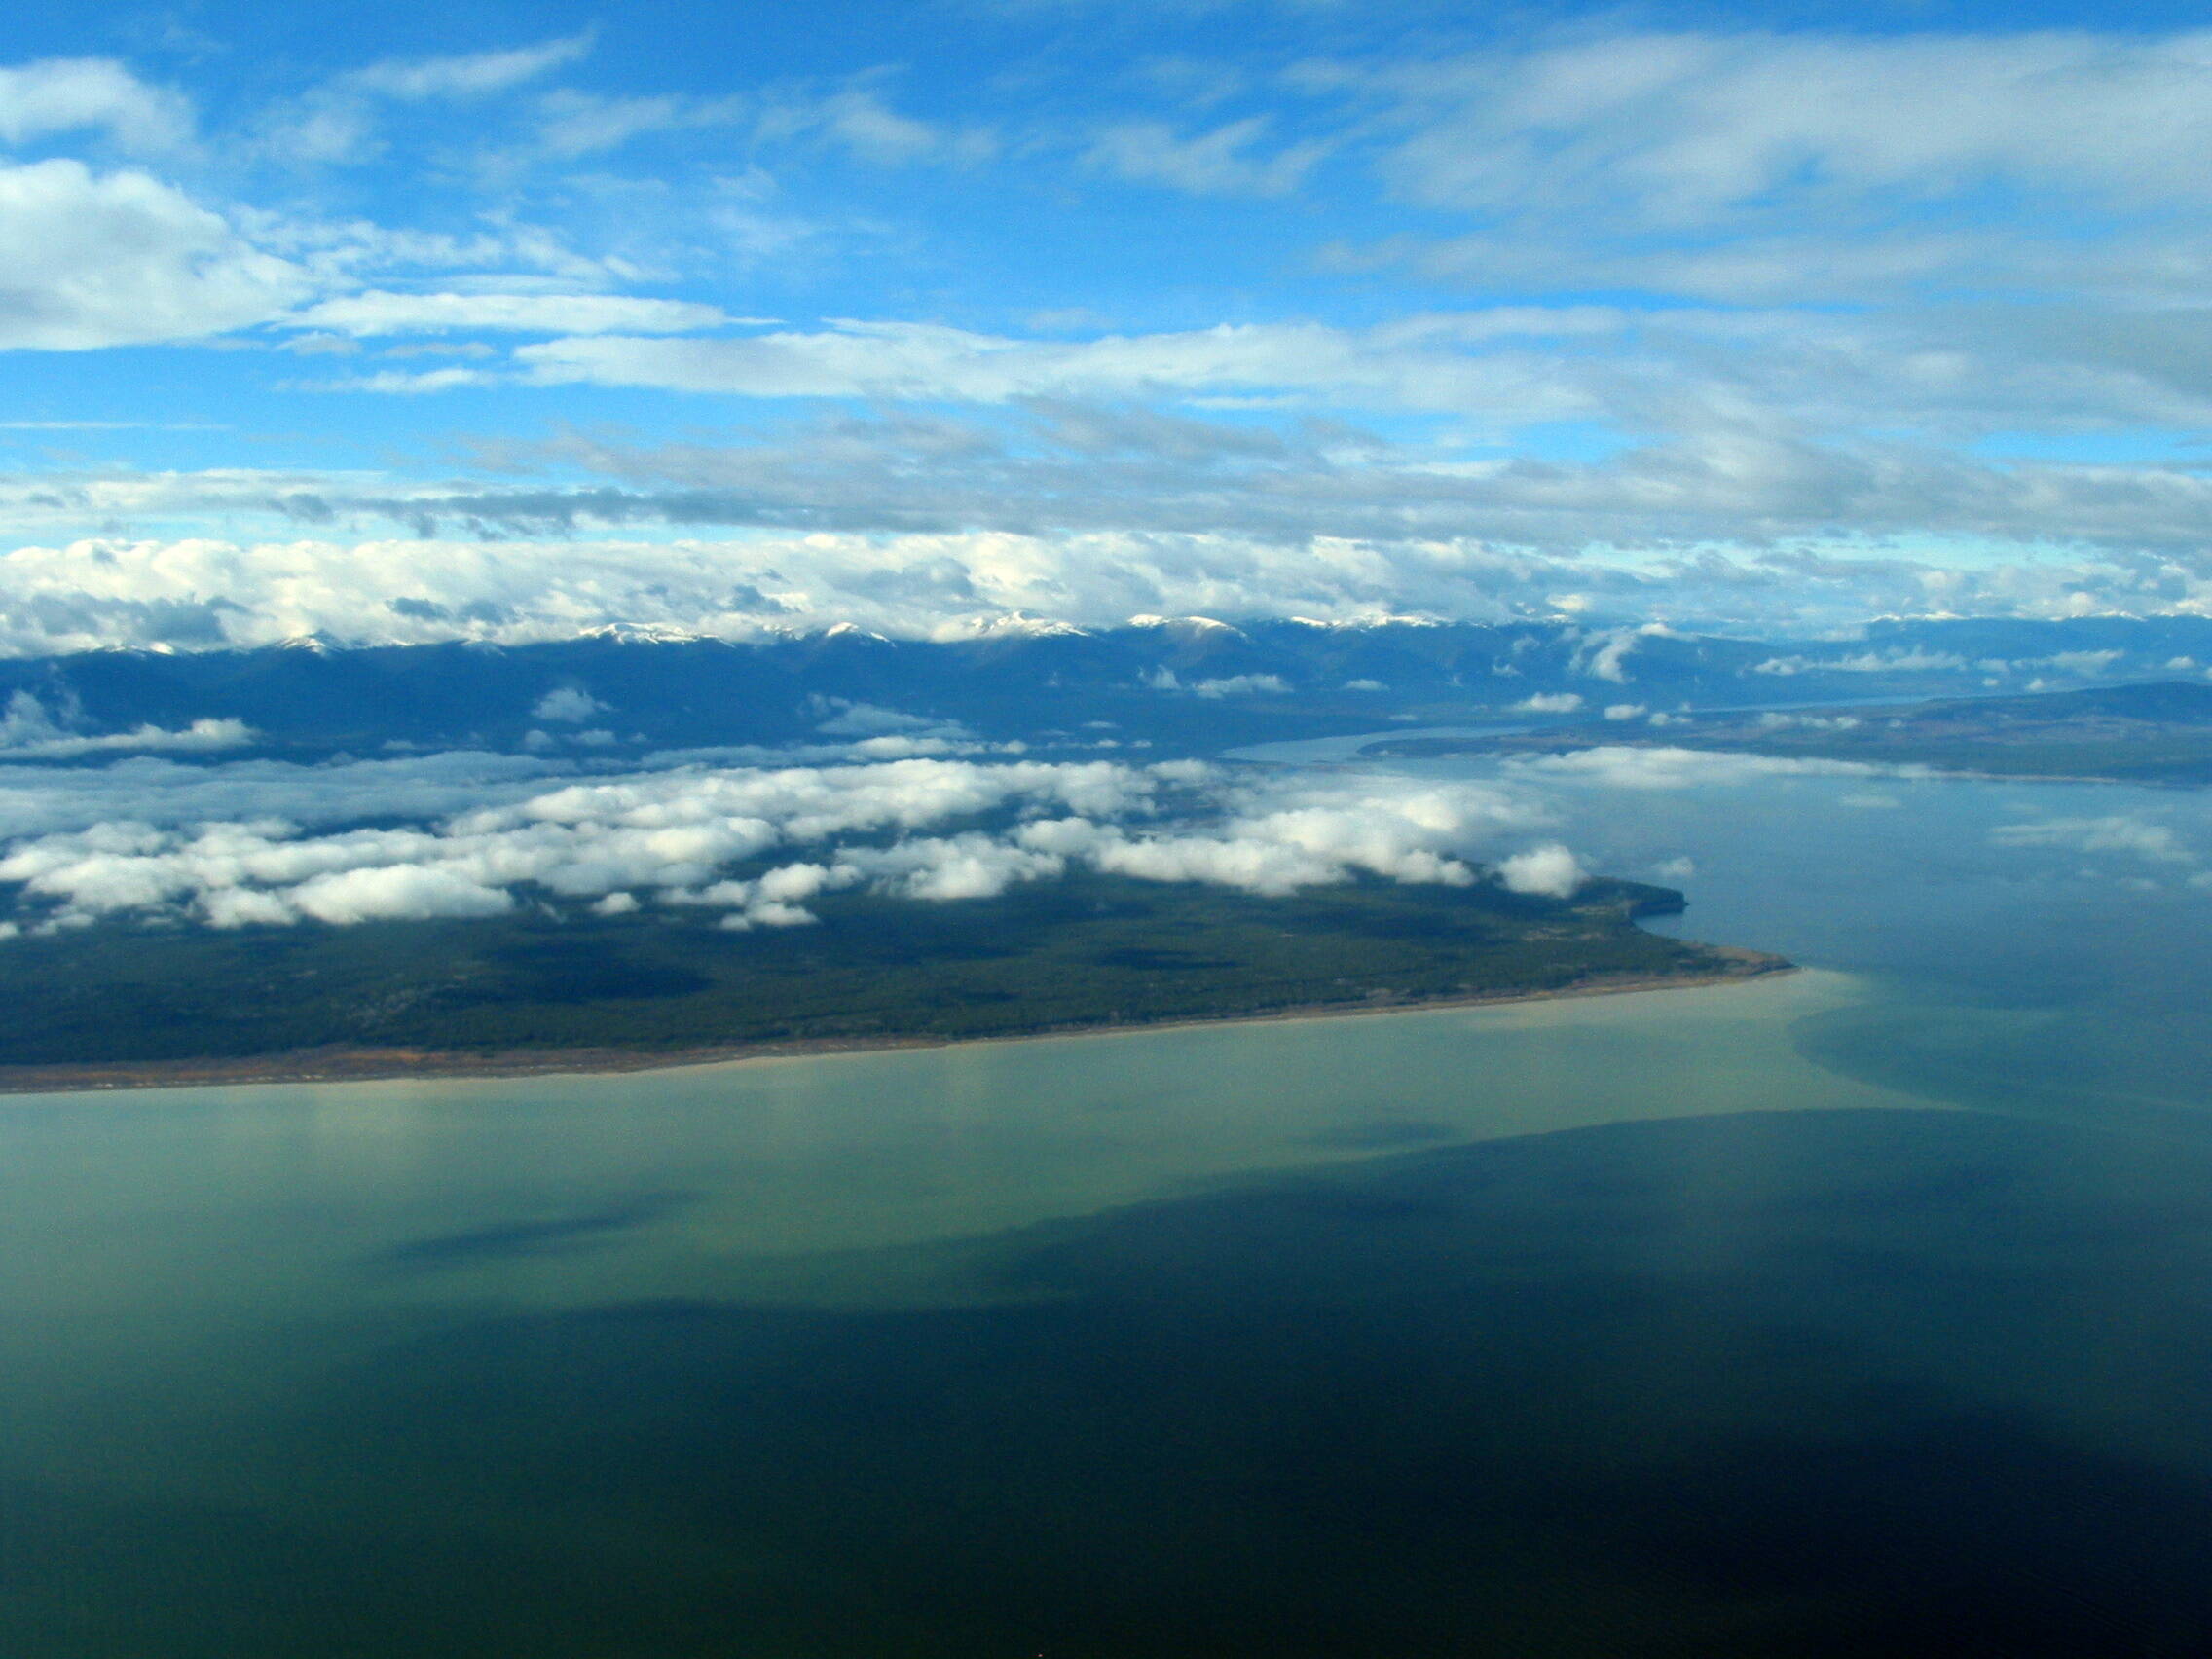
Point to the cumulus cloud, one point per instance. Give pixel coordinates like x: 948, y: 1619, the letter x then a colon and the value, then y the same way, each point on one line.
x: 391, y: 893
x: 674, y: 833
x: 1276, y: 843
x: 570, y: 705
x: 122, y: 259
x: 1605, y: 656
x: 1549, y: 869
x: 1550, y: 703
x: 211, y: 844
x: 1243, y: 685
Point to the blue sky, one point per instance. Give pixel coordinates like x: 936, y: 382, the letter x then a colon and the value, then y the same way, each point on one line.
x: 925, y: 316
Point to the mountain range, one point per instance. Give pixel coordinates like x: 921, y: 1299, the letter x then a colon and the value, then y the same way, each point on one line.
x: 1187, y: 683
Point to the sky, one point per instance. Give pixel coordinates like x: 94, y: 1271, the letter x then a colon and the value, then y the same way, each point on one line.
x: 412, y: 322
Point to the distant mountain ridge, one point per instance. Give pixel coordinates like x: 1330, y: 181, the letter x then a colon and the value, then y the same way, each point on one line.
x: 1174, y: 683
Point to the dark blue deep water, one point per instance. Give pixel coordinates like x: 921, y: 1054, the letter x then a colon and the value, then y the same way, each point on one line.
x: 1868, y: 1313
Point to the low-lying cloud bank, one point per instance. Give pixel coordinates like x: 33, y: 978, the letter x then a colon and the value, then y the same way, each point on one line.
x: 28, y: 732
x: 1635, y: 767
x: 237, y: 845
x: 555, y: 581
x: 2134, y: 836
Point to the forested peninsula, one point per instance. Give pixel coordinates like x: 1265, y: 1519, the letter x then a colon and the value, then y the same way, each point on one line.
x: 547, y: 989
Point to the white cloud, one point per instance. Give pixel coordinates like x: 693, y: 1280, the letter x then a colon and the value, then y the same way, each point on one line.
x: 842, y: 717
x: 575, y: 124
x: 1765, y: 164
x: 857, y: 119
x: 35, y: 801
x: 395, y: 893
x: 120, y: 259
x: 2116, y: 832
x: 396, y: 383
x: 1416, y: 364
x: 469, y: 75
x: 1549, y: 869
x: 1725, y: 430
x: 569, y: 704
x: 202, y: 736
x: 1754, y: 451
x: 28, y: 732
x: 1219, y: 163
x: 1243, y: 685
x: 377, y: 311
x: 1550, y: 703
x: 212, y: 842
x: 1277, y: 840
x: 1775, y: 720
x: 197, y: 593
x: 1605, y: 656
x: 65, y: 94
x: 961, y: 866
x: 673, y: 833
x: 1896, y: 660
x: 1623, y: 767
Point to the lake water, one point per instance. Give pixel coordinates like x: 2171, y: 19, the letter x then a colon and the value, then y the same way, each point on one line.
x: 1862, y: 1311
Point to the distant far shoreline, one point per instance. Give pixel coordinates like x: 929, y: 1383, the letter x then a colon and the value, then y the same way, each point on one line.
x: 383, y: 1065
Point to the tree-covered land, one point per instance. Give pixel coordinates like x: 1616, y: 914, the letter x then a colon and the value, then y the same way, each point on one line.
x: 1087, y: 950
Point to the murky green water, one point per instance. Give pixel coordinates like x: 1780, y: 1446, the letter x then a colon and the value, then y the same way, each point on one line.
x: 1862, y: 1311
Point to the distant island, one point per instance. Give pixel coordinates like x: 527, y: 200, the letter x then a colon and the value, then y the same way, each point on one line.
x: 546, y: 990
x: 2159, y: 732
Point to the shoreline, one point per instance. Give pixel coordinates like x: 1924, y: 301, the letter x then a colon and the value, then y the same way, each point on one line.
x: 385, y: 1065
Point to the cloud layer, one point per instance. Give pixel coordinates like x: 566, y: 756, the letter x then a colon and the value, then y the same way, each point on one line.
x: 200, y: 593
x: 1471, y: 317
x: 230, y: 846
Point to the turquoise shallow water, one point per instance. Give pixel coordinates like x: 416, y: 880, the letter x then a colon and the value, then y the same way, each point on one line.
x: 1858, y: 1310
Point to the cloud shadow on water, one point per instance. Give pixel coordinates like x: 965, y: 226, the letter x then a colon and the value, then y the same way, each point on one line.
x: 1773, y: 1384
x: 531, y: 1236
